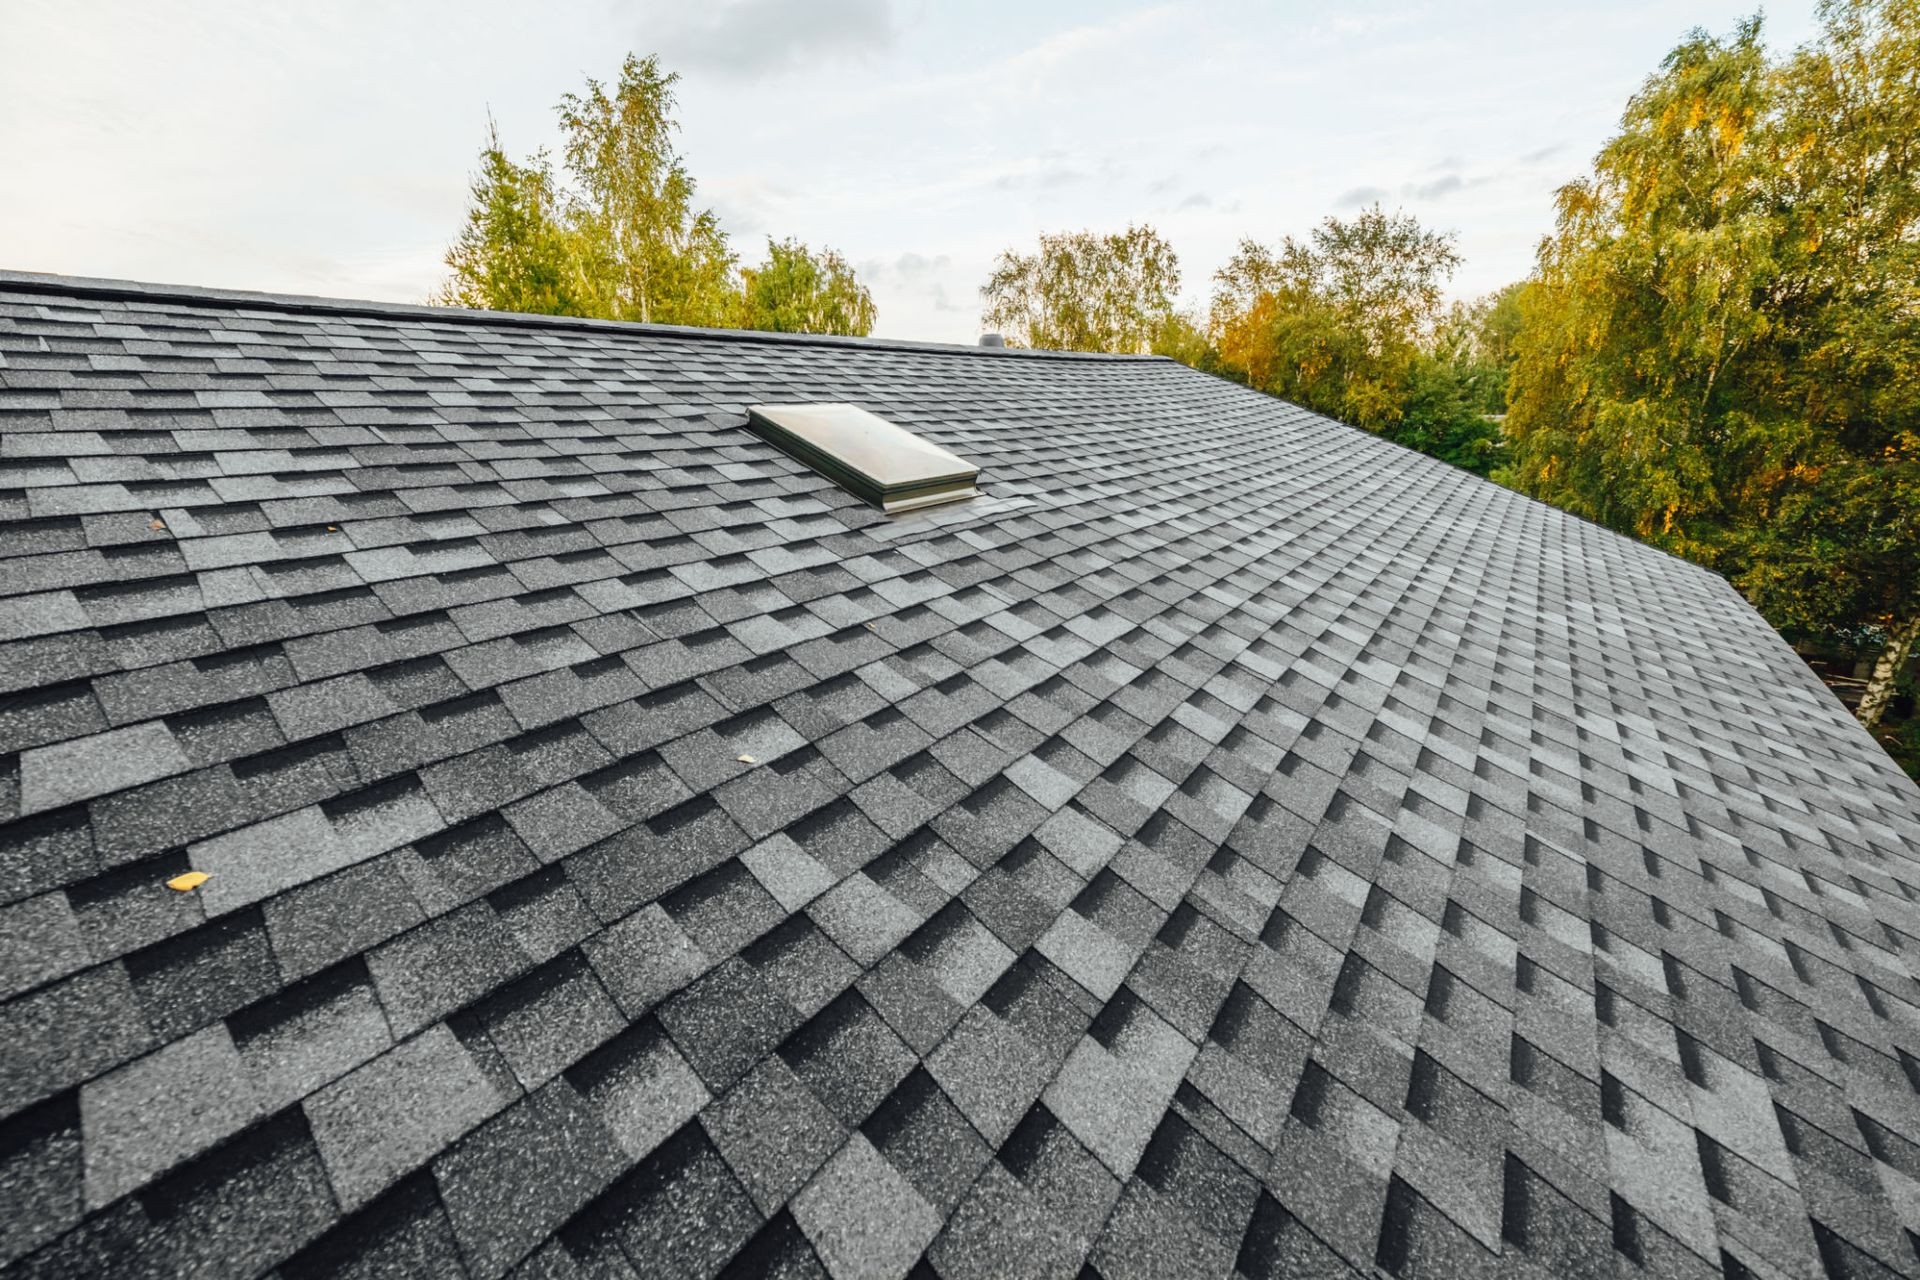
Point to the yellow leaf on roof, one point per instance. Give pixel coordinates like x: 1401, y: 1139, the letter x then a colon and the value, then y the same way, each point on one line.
x: 190, y: 880
x: 746, y: 760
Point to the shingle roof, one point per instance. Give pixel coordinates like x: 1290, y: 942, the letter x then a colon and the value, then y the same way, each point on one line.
x: 1228, y: 841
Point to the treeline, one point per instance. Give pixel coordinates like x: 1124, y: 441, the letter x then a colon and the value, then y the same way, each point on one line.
x: 1351, y: 322
x: 616, y: 234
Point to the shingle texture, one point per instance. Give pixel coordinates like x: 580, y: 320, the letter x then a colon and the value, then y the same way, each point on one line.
x: 1228, y: 843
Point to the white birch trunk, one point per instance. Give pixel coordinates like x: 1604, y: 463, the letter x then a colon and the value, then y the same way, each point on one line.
x: 1879, y: 691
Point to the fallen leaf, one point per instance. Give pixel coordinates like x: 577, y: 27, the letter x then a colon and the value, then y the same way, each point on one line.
x: 158, y: 524
x: 190, y: 880
x: 746, y: 760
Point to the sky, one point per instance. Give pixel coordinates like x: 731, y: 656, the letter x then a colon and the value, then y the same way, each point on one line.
x: 325, y: 148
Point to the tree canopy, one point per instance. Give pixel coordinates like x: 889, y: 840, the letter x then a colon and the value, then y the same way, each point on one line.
x: 623, y: 238
x: 653, y: 256
x: 1720, y: 348
x: 1081, y: 291
x: 1351, y: 322
x: 516, y: 251
x: 798, y: 291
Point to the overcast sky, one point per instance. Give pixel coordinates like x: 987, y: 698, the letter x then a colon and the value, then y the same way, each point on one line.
x: 325, y: 147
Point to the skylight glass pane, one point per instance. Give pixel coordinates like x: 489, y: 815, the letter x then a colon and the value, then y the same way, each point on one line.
x: 863, y: 453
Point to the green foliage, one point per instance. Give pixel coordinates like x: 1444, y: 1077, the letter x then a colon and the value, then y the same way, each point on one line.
x: 1085, y: 292
x: 795, y: 291
x: 1442, y: 412
x: 1720, y: 348
x: 623, y: 239
x: 654, y: 257
x: 1181, y: 337
x: 515, y: 254
x: 1350, y: 323
x: 1479, y: 337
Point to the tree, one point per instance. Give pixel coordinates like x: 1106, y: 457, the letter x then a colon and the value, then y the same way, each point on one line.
x: 1454, y: 390
x: 794, y: 291
x: 1336, y: 322
x: 1182, y: 337
x: 654, y: 257
x: 1719, y: 343
x: 1350, y: 323
x: 1479, y: 335
x: 622, y: 239
x: 1080, y: 291
x: 515, y: 254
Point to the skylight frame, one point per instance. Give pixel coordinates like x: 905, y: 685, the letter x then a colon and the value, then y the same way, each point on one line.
x: 877, y: 461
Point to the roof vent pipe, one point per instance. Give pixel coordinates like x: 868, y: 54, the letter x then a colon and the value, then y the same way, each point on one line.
x: 992, y: 340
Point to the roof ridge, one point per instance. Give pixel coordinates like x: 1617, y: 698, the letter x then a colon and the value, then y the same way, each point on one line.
x: 309, y: 304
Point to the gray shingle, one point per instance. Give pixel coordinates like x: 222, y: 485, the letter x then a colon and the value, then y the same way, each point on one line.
x: 642, y: 1088
x: 1223, y: 797
x: 430, y: 971
x: 154, y: 1112
x: 773, y: 1132
x: 863, y: 1217
x: 267, y: 857
x: 559, y: 821
x: 40, y: 1178
x: 105, y: 762
x: 785, y: 871
x: 39, y: 941
x: 644, y: 958
x: 393, y: 1114
x: 549, y: 1019
x: 514, y: 1181
x: 311, y: 1033
x: 341, y: 915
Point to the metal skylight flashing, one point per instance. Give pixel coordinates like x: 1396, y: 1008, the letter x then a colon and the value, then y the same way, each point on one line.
x: 871, y: 458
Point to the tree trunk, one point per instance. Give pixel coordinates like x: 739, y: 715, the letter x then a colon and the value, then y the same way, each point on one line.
x: 1886, y: 668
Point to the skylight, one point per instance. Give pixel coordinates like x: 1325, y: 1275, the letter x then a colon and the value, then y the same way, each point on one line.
x: 866, y: 455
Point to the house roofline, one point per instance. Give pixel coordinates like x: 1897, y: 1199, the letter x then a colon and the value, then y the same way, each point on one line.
x: 35, y: 282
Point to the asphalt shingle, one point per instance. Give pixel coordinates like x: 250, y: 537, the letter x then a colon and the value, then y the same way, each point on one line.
x: 1229, y: 842
x: 81, y: 768
x: 390, y: 1116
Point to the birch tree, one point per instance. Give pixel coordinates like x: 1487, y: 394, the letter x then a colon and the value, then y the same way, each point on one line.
x: 655, y: 257
x: 618, y: 233
x: 1081, y: 291
x: 1351, y: 322
x: 1720, y: 343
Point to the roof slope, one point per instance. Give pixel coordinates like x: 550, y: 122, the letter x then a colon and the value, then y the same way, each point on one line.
x: 1231, y: 840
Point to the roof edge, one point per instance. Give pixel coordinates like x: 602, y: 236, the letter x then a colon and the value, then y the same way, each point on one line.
x: 307, y: 304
